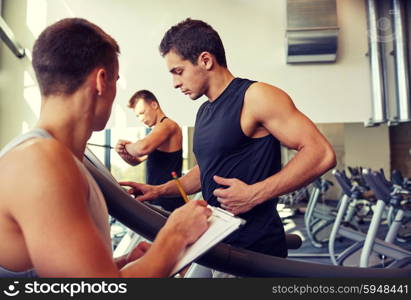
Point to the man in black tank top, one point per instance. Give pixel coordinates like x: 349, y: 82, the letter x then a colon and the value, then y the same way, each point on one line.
x: 162, y: 148
x: 238, y: 132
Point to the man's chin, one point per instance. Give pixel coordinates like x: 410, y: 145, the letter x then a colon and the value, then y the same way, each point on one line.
x: 99, y: 128
x: 194, y: 97
x: 100, y: 124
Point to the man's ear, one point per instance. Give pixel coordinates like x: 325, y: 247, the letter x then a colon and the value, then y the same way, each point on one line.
x: 101, y: 81
x: 154, y: 104
x: 206, y: 60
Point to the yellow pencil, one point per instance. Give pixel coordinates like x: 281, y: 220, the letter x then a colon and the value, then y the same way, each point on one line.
x: 180, y: 187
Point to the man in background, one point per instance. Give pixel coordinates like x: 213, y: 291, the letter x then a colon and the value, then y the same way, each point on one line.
x: 162, y: 147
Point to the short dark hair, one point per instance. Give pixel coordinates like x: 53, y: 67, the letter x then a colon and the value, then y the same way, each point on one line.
x: 191, y: 37
x: 142, y: 94
x: 67, y: 51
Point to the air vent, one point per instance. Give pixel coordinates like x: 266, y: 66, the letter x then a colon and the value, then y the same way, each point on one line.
x: 312, y: 32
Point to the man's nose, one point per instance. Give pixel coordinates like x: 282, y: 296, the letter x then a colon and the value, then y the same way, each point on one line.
x: 176, y: 82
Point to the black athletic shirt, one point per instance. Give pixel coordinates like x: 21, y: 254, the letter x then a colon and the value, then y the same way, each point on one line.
x: 221, y: 148
x: 159, y: 167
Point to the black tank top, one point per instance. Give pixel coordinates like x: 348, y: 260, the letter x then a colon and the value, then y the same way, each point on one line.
x: 159, y: 167
x: 221, y: 148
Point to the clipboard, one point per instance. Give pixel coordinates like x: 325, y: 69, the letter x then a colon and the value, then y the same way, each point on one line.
x: 222, y: 224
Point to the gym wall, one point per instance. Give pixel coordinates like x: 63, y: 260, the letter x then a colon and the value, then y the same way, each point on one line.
x: 253, y: 33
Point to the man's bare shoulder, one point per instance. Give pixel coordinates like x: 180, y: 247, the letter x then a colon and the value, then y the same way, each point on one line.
x: 174, y: 125
x: 37, y: 151
x: 263, y: 98
x: 169, y: 125
x: 262, y: 90
x: 36, y: 168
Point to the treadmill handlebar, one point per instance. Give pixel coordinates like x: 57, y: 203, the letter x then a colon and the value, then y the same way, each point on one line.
x: 223, y: 257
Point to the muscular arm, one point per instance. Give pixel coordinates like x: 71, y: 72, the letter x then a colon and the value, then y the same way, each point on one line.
x: 61, y: 237
x: 190, y: 182
x: 120, y: 148
x: 132, y: 160
x: 275, y: 112
x: 152, y: 141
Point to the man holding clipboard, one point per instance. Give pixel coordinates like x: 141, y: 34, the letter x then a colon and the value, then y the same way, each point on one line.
x: 238, y: 133
x: 57, y: 225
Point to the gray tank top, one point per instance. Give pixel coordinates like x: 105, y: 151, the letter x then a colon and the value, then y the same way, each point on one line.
x: 96, y: 203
